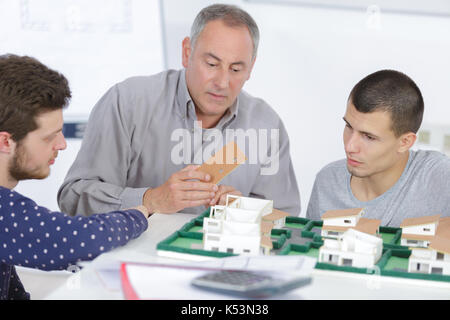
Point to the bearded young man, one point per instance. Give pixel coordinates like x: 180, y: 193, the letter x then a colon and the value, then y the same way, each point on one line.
x: 32, y: 98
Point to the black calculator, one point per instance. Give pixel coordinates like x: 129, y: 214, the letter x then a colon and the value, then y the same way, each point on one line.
x: 251, y: 284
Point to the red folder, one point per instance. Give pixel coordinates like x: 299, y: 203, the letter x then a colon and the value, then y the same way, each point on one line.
x: 127, y: 288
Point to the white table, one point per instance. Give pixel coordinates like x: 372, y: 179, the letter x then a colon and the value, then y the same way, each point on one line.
x: 87, y: 284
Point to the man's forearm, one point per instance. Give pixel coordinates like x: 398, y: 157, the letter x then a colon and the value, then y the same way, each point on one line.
x: 86, y: 197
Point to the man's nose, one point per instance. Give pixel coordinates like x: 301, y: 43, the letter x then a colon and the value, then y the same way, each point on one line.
x: 352, y: 143
x: 61, y: 143
x: 222, y: 79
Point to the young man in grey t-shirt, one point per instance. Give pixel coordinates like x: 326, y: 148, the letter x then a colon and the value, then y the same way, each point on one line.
x: 380, y: 172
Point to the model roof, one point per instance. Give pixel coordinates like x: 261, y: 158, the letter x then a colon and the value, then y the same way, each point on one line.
x: 220, y: 165
x: 365, y: 225
x: 266, y: 226
x: 336, y: 228
x: 369, y: 226
x: 275, y: 215
x: 414, y: 236
x: 443, y: 229
x: 410, y: 222
x: 440, y: 244
x: 341, y: 213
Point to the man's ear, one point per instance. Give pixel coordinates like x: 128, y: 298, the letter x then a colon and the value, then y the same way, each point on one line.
x: 7, y: 144
x: 407, y: 140
x: 186, y: 51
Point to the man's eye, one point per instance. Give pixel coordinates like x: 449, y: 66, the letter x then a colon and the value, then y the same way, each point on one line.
x: 369, y: 137
x: 51, y: 138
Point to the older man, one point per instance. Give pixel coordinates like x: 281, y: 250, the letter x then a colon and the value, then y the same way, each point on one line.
x: 145, y: 133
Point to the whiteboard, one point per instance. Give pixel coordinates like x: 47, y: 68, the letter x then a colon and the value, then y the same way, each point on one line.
x: 94, y: 43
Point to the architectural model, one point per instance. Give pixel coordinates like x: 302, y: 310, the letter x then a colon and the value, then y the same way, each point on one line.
x: 245, y: 226
x: 277, y: 218
x: 242, y: 226
x: 353, y: 248
x: 429, y: 239
x: 434, y: 260
x: 418, y: 232
x: 336, y: 222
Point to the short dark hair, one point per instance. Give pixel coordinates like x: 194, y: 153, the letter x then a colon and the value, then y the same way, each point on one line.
x: 27, y: 89
x: 392, y: 91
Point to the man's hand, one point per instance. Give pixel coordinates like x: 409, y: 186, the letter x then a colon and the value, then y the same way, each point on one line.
x: 142, y: 209
x: 185, y: 188
x: 221, y: 195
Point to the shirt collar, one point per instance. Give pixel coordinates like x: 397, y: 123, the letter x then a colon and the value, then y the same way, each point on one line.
x: 229, y: 116
x: 183, y: 96
x: 187, y: 107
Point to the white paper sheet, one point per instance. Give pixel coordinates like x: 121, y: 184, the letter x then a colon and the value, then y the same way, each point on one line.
x: 159, y: 281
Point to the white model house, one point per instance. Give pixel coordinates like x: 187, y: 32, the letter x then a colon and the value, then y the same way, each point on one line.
x: 336, y: 222
x: 433, y: 260
x: 237, y: 227
x: 429, y: 238
x: 277, y: 218
x: 261, y: 205
x: 418, y: 232
x: 353, y: 248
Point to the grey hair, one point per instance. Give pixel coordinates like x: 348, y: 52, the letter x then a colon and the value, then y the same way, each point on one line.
x: 231, y: 15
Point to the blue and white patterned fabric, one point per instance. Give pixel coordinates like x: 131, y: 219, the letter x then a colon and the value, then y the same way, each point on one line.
x: 33, y: 236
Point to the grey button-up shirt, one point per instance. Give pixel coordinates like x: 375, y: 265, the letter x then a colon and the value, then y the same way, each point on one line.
x: 144, y: 129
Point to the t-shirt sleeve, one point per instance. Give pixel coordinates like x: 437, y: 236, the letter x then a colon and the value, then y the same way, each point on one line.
x: 436, y: 185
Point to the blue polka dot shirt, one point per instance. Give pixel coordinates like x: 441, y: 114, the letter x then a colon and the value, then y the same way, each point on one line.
x: 33, y: 236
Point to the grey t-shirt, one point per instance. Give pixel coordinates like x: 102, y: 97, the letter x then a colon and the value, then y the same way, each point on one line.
x: 422, y: 190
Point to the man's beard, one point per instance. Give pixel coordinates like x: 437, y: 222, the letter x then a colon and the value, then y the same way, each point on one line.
x: 17, y: 168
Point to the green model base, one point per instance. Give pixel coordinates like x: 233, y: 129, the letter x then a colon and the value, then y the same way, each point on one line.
x: 301, y: 236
